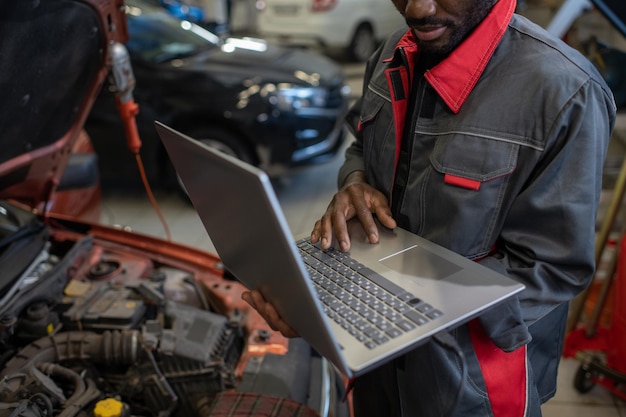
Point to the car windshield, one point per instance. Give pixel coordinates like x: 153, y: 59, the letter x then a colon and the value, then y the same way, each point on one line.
x: 155, y: 36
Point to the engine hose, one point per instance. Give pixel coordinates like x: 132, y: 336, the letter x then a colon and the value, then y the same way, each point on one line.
x: 72, y: 409
x: 83, y: 393
x: 109, y: 348
x: 55, y: 370
x: 43, y: 402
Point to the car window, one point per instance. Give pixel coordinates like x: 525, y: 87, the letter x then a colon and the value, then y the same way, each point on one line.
x: 155, y: 36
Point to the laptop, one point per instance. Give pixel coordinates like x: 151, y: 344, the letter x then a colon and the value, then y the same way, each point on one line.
x: 412, y: 287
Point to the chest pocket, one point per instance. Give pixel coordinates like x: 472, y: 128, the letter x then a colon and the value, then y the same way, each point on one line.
x: 474, y: 158
x: 467, y: 191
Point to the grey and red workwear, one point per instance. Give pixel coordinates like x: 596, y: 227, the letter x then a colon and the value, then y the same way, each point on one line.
x: 496, y: 153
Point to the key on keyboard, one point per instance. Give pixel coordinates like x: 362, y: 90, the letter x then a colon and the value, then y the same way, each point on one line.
x: 366, y: 304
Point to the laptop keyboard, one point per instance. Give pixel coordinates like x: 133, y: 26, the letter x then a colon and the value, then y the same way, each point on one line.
x: 369, y: 306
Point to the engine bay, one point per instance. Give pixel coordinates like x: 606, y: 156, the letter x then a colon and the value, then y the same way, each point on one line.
x: 103, y: 322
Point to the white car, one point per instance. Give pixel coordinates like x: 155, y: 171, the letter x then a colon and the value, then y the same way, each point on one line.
x: 353, y: 26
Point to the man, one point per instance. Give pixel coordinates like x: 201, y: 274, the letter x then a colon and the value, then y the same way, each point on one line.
x: 481, y: 132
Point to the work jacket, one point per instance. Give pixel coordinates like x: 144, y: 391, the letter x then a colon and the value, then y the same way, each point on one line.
x: 509, y: 136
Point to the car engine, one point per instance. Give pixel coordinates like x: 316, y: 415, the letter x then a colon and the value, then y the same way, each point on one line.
x: 103, y: 322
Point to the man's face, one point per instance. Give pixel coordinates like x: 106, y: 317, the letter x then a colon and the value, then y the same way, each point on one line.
x: 441, y: 25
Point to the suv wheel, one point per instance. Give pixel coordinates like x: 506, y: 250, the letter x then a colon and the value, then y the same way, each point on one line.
x: 363, y: 43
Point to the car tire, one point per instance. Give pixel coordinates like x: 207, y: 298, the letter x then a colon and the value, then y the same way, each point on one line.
x: 224, y: 141
x: 363, y: 43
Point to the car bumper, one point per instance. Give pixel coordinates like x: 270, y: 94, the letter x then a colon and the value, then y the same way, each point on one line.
x: 329, y: 145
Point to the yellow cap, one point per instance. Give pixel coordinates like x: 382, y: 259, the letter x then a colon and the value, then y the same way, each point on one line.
x: 108, y: 408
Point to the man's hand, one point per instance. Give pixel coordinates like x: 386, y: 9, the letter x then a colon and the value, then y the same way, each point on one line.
x: 268, y: 312
x: 355, y: 198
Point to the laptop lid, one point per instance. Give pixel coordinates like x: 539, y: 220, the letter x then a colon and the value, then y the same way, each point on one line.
x: 241, y: 213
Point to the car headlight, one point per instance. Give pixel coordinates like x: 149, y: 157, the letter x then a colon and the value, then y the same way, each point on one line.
x: 298, y: 98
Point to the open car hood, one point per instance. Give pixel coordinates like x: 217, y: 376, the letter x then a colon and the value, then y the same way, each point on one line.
x: 54, y: 58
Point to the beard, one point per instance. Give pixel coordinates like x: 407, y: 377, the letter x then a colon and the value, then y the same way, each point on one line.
x: 433, y: 52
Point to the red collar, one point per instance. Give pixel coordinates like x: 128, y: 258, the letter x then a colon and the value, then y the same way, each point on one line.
x: 455, y: 77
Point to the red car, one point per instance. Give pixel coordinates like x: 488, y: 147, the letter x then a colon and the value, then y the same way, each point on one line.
x: 98, y: 321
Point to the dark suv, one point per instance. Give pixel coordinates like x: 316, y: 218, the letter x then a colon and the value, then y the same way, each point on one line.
x: 271, y: 106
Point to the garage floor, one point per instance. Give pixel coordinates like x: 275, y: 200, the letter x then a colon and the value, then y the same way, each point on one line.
x: 304, y: 195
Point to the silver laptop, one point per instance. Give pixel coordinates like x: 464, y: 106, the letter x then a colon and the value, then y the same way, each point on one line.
x: 358, y: 309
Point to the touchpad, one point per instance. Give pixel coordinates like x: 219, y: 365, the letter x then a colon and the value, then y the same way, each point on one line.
x: 420, y: 262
